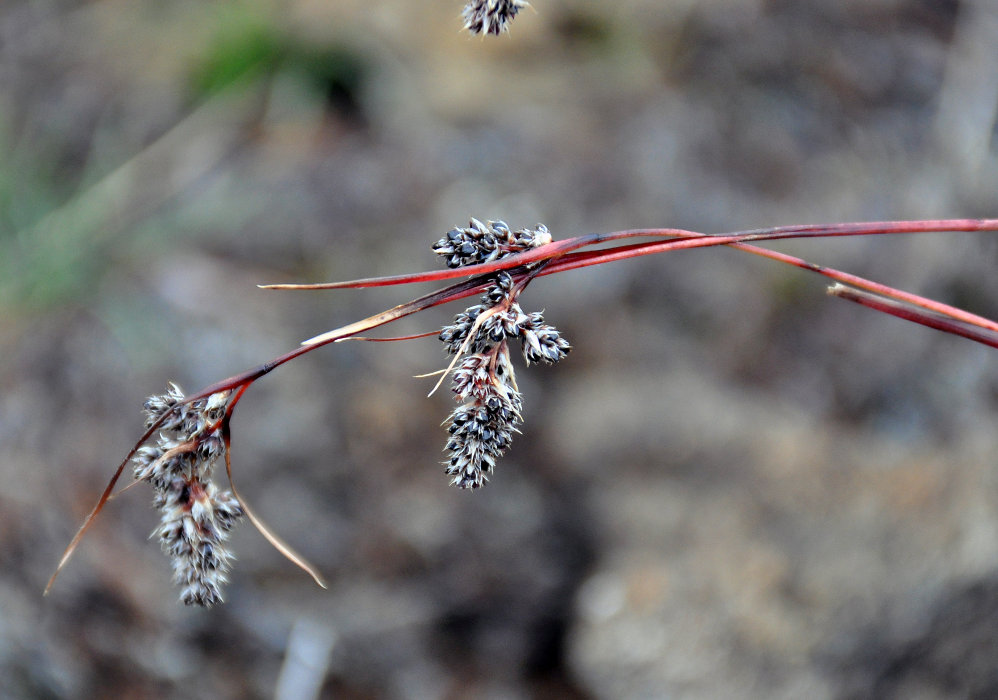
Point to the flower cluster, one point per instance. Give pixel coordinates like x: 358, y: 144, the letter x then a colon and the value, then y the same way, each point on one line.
x: 196, y: 516
x: 491, y: 16
x: 486, y: 242
x: 484, y: 383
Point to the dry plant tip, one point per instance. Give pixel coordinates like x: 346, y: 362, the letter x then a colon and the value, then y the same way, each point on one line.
x: 275, y: 541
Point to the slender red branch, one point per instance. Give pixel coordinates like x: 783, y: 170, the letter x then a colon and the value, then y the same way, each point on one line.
x: 916, y: 315
x: 394, y: 338
x: 691, y: 239
x: 574, y: 261
x: 442, y: 296
x: 877, y: 288
x: 102, y: 501
x: 561, y: 261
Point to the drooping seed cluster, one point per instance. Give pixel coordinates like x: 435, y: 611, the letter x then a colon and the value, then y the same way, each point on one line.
x: 491, y: 16
x: 498, y: 318
x: 486, y: 242
x: 483, y: 380
x: 481, y: 428
x: 196, y: 516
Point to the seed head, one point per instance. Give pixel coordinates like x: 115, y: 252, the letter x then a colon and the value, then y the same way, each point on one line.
x: 491, y: 16
x: 486, y: 242
x: 195, y: 517
x: 542, y: 342
x: 481, y: 428
x: 193, y: 528
x: 155, y: 406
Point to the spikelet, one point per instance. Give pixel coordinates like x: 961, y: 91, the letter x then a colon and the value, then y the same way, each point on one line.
x: 491, y: 16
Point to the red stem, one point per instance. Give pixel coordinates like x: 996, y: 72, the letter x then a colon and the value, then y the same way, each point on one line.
x: 584, y: 259
x: 900, y: 310
x: 679, y: 239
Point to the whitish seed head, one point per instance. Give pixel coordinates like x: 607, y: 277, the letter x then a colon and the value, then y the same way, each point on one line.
x: 195, y: 517
x: 491, y: 16
x: 158, y: 404
x: 193, y: 529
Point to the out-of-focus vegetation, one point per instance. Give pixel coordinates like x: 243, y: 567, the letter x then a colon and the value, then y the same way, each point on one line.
x: 733, y: 487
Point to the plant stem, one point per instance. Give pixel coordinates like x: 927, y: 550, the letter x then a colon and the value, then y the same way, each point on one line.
x: 901, y: 310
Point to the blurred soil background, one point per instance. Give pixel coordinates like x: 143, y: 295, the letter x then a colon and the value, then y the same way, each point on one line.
x: 734, y: 486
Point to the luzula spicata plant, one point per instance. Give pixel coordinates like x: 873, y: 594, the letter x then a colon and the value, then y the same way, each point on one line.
x: 186, y: 436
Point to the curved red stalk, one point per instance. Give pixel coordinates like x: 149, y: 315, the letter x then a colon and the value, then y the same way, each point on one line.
x: 558, y: 249
x: 903, y: 311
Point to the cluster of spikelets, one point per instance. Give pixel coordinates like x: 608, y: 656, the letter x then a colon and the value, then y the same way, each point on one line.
x: 196, y: 516
x: 487, y: 242
x: 490, y: 16
x: 483, y: 381
x: 191, y: 435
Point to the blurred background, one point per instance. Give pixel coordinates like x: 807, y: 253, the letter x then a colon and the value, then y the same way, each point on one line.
x: 734, y: 486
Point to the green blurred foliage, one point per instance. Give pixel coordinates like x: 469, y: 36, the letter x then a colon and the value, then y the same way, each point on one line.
x: 249, y: 47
